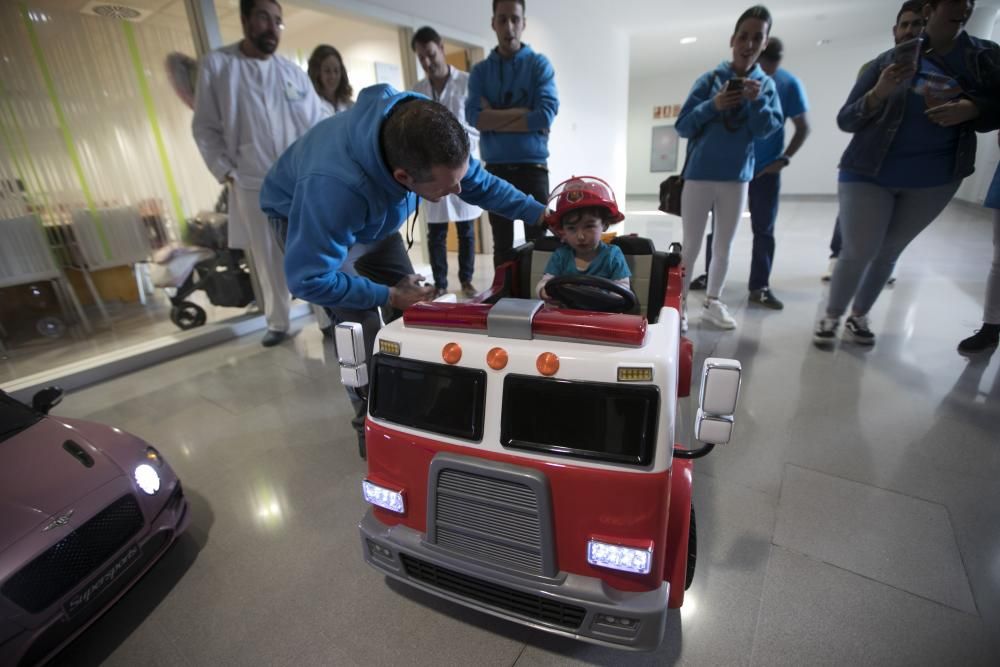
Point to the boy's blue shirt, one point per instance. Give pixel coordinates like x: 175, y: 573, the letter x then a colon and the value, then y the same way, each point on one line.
x: 609, y: 263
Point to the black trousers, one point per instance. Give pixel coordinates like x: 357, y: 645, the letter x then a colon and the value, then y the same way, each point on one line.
x: 532, y: 180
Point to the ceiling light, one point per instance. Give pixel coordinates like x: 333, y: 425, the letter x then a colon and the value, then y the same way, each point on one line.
x: 822, y: 42
x: 688, y: 40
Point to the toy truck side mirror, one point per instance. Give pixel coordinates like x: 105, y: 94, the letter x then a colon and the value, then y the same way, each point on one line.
x: 720, y: 389
x: 350, y: 341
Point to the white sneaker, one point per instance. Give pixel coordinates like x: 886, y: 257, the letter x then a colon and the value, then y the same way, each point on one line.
x: 684, y: 323
x: 717, y: 313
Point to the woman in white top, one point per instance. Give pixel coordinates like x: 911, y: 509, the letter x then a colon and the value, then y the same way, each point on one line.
x: 329, y: 77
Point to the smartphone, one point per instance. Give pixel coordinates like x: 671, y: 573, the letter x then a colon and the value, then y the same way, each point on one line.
x: 907, y: 53
x: 736, y: 83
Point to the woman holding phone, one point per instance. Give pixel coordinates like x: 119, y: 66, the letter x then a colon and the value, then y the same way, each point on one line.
x: 914, y: 122
x: 726, y: 110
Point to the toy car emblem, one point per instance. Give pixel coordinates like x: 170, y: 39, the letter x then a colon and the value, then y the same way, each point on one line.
x: 59, y: 522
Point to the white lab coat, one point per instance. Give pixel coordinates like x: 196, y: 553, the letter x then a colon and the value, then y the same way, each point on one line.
x: 456, y: 89
x: 334, y: 110
x: 246, y: 113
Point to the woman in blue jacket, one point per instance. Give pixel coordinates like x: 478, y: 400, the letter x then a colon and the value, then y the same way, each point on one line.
x: 914, y: 141
x: 726, y: 110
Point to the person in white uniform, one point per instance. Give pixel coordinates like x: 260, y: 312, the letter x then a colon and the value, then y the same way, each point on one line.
x: 250, y: 105
x: 329, y: 77
x: 450, y: 87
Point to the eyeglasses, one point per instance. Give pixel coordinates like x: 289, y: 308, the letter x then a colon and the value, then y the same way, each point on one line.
x: 264, y: 17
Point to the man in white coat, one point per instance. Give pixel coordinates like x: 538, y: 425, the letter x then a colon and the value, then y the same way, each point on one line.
x: 450, y: 87
x: 250, y: 105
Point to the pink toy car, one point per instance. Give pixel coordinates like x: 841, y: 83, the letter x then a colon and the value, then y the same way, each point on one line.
x: 85, y: 511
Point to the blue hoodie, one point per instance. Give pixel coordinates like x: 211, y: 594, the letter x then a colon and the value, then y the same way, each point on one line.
x: 335, y: 189
x: 526, y: 80
x: 715, y: 152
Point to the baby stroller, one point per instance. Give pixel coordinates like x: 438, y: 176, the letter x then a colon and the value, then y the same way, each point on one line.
x: 206, y: 263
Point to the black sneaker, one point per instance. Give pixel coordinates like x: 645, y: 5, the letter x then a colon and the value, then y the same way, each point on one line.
x: 826, y: 331
x: 765, y: 297
x: 984, y: 339
x: 272, y: 338
x: 856, y: 330
x: 699, y: 283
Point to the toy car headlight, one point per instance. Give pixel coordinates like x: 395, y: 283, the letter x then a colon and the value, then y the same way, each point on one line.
x: 617, y: 557
x: 147, y: 478
x: 383, y: 497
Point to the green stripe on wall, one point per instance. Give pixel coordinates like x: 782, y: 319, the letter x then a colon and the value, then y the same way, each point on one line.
x: 67, y: 136
x: 154, y: 124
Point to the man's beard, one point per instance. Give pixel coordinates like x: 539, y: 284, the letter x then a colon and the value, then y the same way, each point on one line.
x: 265, y: 46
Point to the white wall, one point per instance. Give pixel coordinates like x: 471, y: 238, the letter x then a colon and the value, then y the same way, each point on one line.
x: 590, y: 133
x: 828, y: 74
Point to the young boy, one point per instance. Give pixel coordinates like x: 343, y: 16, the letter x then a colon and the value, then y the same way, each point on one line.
x: 585, y: 207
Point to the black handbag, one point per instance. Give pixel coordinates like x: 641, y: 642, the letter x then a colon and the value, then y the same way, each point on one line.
x: 670, y: 194
x: 672, y: 188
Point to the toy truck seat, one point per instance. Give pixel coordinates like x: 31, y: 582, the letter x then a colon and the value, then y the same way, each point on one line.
x: 648, y: 266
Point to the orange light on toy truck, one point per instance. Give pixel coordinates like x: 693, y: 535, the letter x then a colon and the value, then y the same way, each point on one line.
x: 547, y: 363
x: 389, y: 347
x: 497, y: 358
x: 451, y: 353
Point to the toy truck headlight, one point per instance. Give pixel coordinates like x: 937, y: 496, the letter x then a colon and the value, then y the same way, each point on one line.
x: 720, y: 389
x: 382, y: 497
x: 617, y: 557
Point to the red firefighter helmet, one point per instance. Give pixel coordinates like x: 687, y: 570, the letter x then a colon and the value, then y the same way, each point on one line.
x: 580, y: 192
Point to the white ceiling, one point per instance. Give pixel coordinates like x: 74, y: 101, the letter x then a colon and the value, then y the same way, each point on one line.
x: 655, y: 27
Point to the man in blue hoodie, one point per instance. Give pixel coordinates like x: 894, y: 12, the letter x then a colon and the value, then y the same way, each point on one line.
x: 339, y: 194
x: 512, y: 102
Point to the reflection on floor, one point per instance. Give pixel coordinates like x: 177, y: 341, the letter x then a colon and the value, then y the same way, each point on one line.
x: 854, y: 520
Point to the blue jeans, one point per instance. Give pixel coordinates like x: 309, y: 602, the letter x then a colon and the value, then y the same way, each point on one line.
x: 437, y: 237
x: 877, y: 224
x: 836, y: 241
x: 763, y: 195
x: 763, y: 213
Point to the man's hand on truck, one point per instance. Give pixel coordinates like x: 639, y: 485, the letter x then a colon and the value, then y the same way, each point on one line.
x: 409, y: 291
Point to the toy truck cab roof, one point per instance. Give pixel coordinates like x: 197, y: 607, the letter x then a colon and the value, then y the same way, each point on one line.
x: 521, y: 459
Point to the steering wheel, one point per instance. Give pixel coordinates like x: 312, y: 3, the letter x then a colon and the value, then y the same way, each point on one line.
x: 591, y: 293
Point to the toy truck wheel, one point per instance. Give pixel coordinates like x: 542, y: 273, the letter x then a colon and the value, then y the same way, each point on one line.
x: 692, y: 552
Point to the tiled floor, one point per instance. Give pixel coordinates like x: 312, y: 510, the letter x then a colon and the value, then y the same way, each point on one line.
x: 854, y: 520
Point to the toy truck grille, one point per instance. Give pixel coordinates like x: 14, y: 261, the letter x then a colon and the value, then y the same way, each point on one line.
x: 489, y: 518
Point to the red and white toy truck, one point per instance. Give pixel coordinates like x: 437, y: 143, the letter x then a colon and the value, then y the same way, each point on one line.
x: 521, y: 457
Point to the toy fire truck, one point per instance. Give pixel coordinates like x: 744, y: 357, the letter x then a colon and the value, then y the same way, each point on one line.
x: 521, y: 457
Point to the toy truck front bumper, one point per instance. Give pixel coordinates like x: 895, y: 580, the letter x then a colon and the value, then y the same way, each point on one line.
x: 570, y: 605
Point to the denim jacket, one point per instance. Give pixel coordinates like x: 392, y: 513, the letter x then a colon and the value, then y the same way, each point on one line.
x: 873, y: 132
